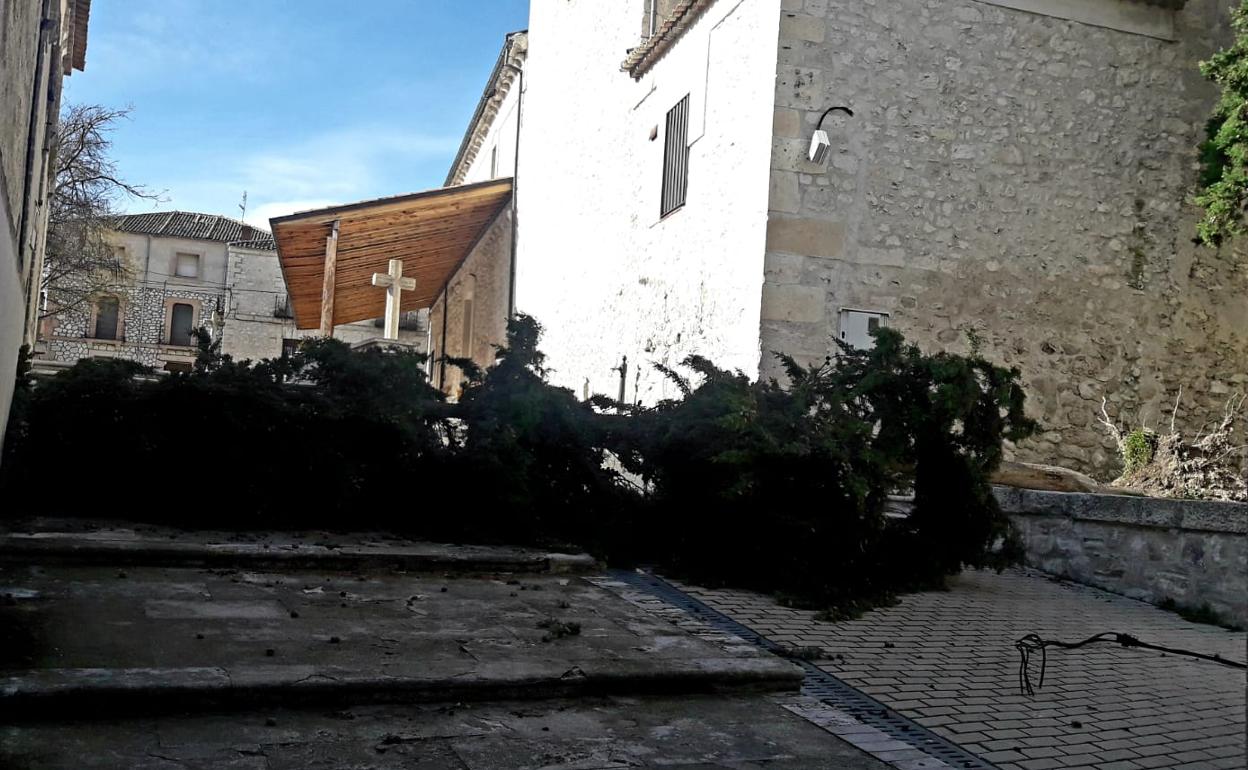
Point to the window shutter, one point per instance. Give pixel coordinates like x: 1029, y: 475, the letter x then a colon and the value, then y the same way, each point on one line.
x: 180, y: 324
x: 107, y: 312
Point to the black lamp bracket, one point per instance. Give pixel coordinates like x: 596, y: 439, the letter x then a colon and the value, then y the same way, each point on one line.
x: 830, y: 110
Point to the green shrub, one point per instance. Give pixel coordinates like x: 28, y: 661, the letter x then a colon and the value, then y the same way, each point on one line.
x: 1138, y: 448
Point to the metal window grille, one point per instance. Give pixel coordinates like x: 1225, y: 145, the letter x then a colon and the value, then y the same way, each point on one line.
x: 675, y: 158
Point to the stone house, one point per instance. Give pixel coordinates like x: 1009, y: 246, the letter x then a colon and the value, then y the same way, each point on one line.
x: 186, y: 271
x: 1019, y: 168
x: 41, y: 42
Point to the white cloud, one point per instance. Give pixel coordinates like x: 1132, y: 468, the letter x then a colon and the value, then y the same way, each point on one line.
x: 336, y: 167
x: 260, y: 216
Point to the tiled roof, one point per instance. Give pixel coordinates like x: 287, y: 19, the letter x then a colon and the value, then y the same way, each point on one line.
x: 202, y: 227
x: 258, y: 244
x: 81, y: 16
x: 683, y: 16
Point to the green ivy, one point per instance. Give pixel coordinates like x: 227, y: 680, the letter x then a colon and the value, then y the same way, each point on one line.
x: 1224, y: 155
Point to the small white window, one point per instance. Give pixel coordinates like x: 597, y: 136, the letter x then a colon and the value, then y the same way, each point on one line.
x: 187, y: 266
x: 857, y: 325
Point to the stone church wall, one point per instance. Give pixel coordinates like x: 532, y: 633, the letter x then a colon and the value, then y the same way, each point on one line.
x: 477, y: 298
x: 1015, y: 173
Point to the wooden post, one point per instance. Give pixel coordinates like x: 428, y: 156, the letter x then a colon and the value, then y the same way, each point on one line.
x: 327, y: 289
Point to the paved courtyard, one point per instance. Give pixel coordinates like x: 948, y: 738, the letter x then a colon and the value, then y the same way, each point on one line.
x: 947, y: 660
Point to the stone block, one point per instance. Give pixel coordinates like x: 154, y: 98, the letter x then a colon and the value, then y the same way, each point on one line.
x: 809, y: 237
x: 793, y: 303
x: 785, y: 193
x: 786, y: 123
x: 796, y: 26
x: 793, y: 155
x: 783, y: 268
x: 800, y: 87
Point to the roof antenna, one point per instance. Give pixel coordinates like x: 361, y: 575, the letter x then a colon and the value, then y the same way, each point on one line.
x: 243, y: 207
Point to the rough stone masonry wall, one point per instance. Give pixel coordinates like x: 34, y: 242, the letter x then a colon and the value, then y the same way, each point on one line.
x: 485, y: 275
x: 1019, y: 174
x: 1152, y: 549
x: 142, y: 328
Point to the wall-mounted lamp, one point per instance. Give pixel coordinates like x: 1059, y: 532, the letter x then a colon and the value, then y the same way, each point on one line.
x: 819, y: 143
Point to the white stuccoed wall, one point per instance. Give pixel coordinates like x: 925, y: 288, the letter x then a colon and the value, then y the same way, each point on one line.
x: 596, y: 265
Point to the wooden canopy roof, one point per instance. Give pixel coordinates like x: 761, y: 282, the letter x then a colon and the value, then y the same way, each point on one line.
x: 432, y: 232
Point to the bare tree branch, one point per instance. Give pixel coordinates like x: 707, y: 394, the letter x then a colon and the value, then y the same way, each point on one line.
x: 1175, y: 412
x: 85, y: 197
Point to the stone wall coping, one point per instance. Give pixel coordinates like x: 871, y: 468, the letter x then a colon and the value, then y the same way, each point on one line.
x: 1159, y: 512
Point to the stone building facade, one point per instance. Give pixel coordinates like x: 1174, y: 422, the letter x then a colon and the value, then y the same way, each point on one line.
x: 1022, y: 173
x: 40, y: 43
x: 1019, y: 169
x: 188, y: 271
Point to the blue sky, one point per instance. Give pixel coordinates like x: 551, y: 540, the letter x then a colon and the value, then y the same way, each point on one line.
x: 302, y: 103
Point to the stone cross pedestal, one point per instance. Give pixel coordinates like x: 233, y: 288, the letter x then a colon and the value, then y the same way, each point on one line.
x: 395, y: 285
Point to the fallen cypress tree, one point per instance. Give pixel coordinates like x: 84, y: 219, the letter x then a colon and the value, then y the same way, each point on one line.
x: 739, y: 482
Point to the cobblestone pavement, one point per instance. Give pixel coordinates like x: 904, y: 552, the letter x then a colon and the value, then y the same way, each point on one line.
x: 947, y: 660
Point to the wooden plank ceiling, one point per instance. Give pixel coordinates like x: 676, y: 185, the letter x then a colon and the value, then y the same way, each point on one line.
x: 432, y: 232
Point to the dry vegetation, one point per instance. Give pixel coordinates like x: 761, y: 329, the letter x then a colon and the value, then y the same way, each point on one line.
x: 1207, y: 466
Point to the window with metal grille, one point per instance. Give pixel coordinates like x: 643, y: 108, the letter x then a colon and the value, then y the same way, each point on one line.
x: 675, y: 158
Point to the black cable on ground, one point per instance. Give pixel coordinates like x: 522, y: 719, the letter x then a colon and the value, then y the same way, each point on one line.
x: 1035, y: 643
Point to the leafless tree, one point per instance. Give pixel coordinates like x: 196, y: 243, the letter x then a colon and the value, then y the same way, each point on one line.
x: 86, y: 192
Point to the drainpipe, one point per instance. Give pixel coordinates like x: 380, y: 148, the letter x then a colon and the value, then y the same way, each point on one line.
x: 446, y: 306
x: 45, y: 26
x: 515, y: 194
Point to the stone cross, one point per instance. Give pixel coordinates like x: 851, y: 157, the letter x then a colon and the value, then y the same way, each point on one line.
x: 395, y: 285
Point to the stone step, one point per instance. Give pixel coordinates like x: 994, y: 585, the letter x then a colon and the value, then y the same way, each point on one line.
x: 94, y: 641
x: 95, y: 693
x: 687, y: 732
x: 75, y: 542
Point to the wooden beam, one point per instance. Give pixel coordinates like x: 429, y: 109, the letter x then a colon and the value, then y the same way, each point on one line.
x: 327, y: 288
